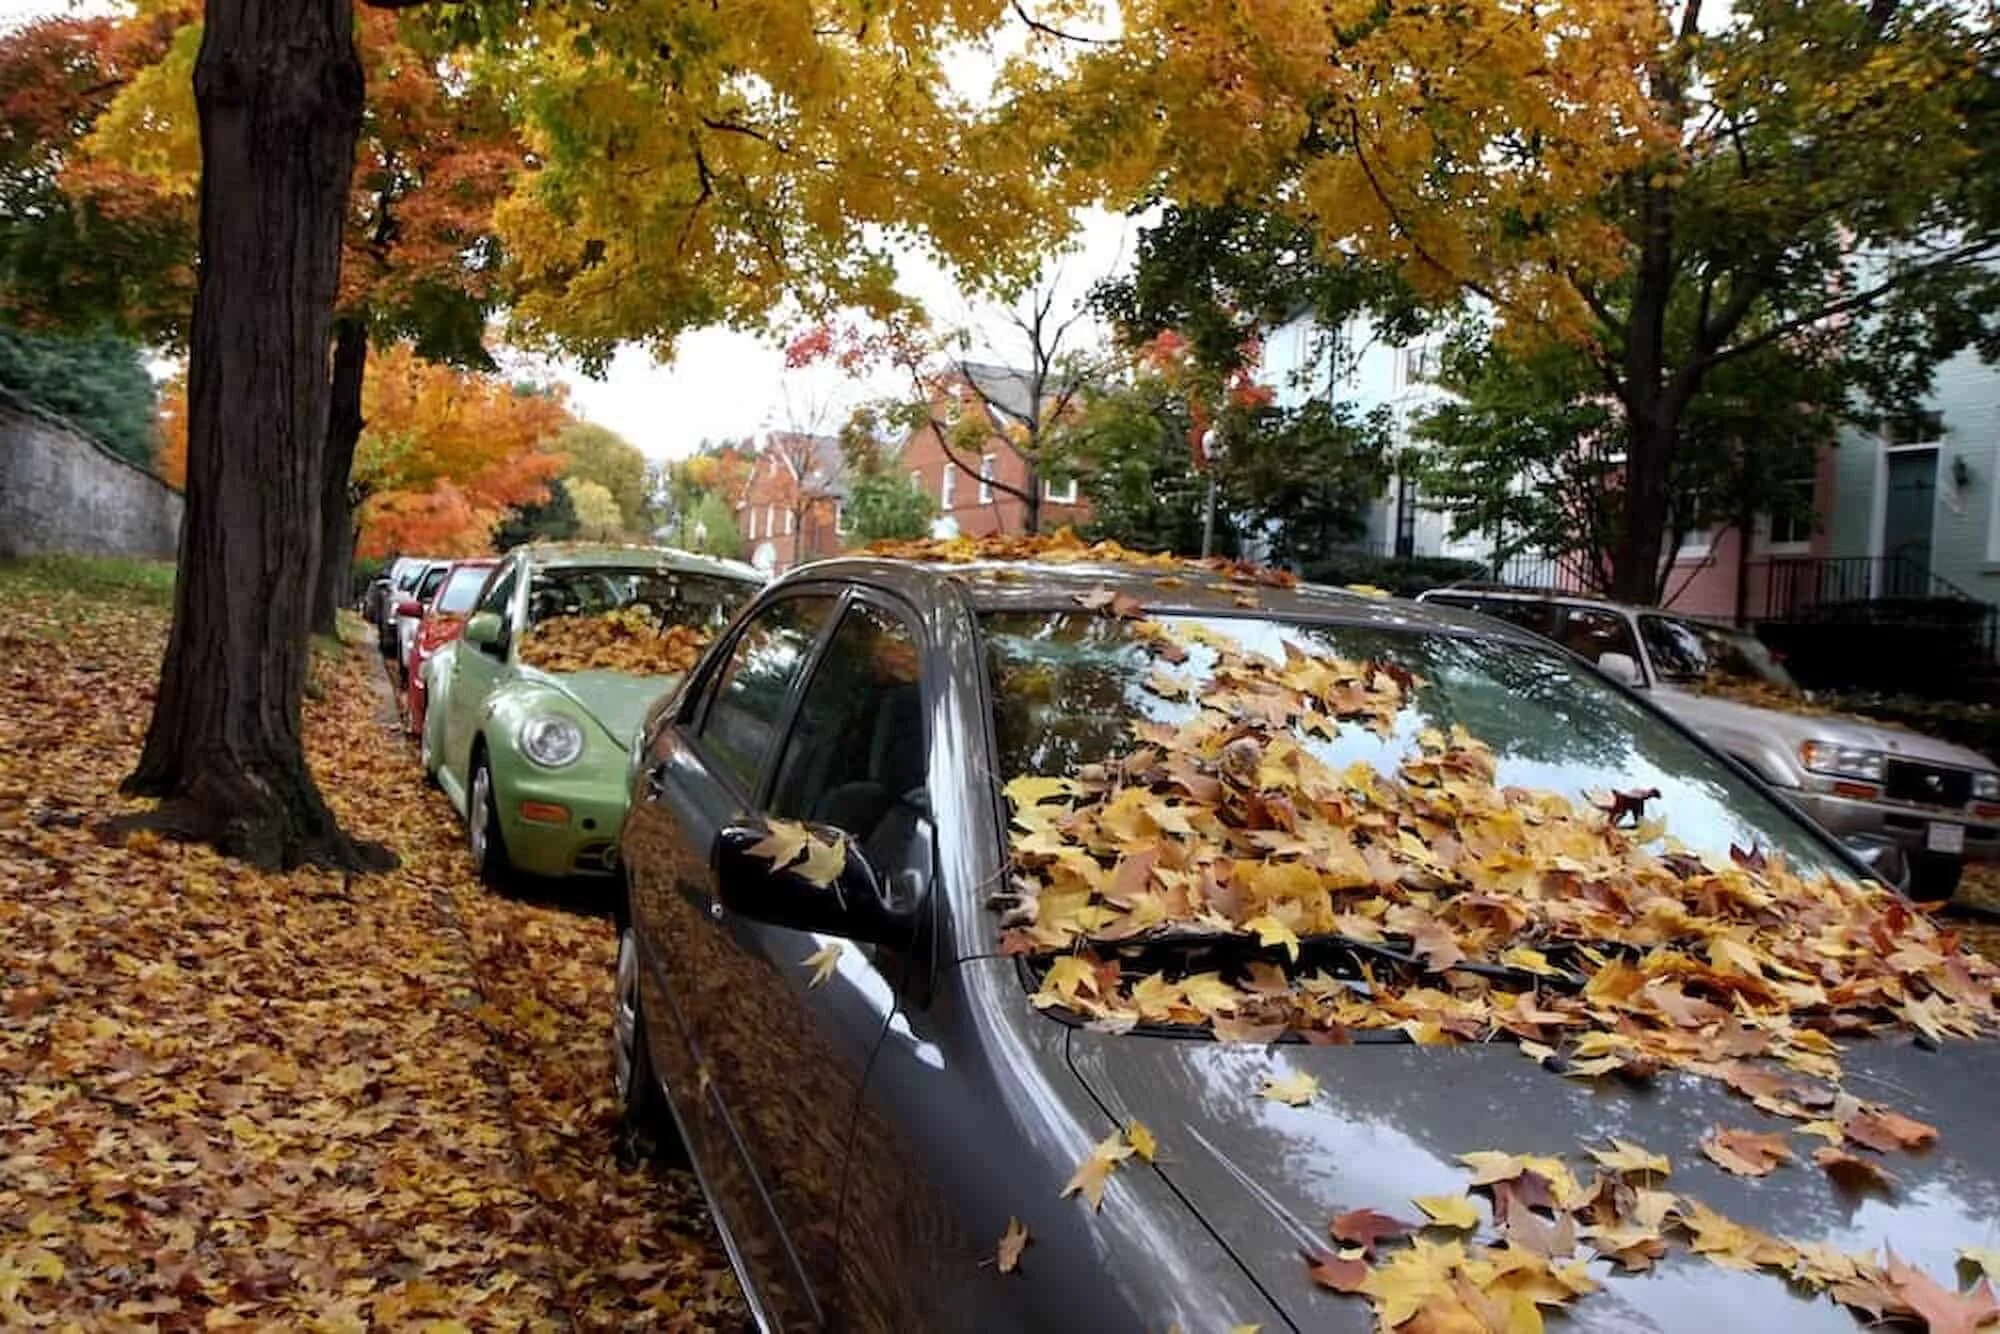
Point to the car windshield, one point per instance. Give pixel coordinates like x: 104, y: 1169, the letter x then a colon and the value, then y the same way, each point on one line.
x: 1684, y: 650
x: 640, y: 620
x: 462, y: 589
x: 1072, y: 690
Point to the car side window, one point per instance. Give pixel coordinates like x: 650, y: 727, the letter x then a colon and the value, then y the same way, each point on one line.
x: 740, y: 729
x: 1535, y: 617
x: 1591, y: 632
x: 857, y: 758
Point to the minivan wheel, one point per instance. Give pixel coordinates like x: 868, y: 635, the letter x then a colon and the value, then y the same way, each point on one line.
x: 482, y: 826
x: 646, y: 1127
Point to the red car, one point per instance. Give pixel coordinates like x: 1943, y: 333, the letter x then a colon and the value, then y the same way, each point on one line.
x: 441, y: 623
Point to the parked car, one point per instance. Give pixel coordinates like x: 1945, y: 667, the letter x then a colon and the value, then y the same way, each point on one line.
x: 534, y: 757
x: 850, y: 1060
x: 402, y: 576
x: 409, y: 608
x: 438, y: 624
x: 1939, y: 801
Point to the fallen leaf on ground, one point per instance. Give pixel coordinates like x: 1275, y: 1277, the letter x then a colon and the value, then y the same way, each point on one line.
x: 1449, y: 1210
x: 1364, y: 1227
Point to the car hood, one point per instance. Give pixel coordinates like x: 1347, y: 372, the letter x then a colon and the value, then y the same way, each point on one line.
x: 616, y: 701
x: 1391, y: 1119
x: 1706, y: 711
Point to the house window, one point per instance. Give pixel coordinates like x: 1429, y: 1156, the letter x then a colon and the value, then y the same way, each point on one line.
x: 1795, y: 527
x: 1414, y: 365
x: 947, y: 483
x: 790, y: 518
x: 1694, y: 544
x: 986, y: 479
x: 770, y: 521
x: 1060, y: 493
x: 917, y: 478
x: 842, y: 524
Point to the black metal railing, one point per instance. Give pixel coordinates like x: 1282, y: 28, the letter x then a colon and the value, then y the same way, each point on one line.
x: 1788, y: 587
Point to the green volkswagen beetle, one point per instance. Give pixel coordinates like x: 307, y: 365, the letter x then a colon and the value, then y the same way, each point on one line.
x: 533, y: 709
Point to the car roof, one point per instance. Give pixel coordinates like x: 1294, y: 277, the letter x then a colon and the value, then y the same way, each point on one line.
x: 563, y: 554
x: 1515, y: 593
x: 1182, y: 587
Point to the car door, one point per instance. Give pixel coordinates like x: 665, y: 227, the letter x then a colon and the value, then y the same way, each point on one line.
x: 477, y: 668
x: 707, y: 766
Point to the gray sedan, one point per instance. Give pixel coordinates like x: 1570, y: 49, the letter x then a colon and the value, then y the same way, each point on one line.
x: 851, y: 1062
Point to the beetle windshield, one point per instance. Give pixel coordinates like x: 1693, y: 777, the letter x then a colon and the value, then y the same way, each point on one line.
x: 1685, y: 650
x: 1070, y: 688
x: 671, y: 597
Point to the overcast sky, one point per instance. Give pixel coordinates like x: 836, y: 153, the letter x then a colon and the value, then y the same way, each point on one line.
x: 726, y: 384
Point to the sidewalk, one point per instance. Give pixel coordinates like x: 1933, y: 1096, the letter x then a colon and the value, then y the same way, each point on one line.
x: 236, y: 1099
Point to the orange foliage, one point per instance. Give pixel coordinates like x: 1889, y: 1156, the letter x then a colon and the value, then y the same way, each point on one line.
x: 170, y: 459
x: 446, y: 452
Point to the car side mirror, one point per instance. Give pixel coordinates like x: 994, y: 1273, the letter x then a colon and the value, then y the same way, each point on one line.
x: 409, y: 607
x: 1620, y: 667
x: 852, y: 901
x: 485, y: 631
x: 1884, y: 858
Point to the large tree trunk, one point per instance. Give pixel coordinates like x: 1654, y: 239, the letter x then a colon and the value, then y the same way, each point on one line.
x: 332, y: 588
x: 1651, y: 409
x: 278, y: 92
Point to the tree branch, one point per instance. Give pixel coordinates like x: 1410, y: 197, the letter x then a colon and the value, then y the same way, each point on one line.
x: 1049, y: 30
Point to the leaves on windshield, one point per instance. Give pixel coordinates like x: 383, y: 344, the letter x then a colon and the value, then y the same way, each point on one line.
x: 1294, y: 1090
x: 1747, y: 1153
x: 627, y: 639
x: 1064, y: 547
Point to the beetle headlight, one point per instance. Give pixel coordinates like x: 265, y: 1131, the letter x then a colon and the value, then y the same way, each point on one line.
x: 1826, y: 757
x: 1986, y: 786
x: 551, y: 740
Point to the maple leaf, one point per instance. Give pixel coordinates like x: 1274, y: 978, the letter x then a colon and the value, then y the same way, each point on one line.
x: 1365, y: 1227
x: 1007, y: 1256
x: 1271, y: 931
x: 1294, y: 1090
x: 1118, y: 604
x: 1623, y: 1157
x: 825, y: 859
x: 1141, y: 1139
x: 1942, y: 1310
x: 1337, y: 1272
x: 1851, y: 1170
x: 1034, y: 790
x: 1095, y: 1170
x: 1886, y: 1131
x: 1747, y: 1153
x: 823, y: 961
x: 1449, y: 1210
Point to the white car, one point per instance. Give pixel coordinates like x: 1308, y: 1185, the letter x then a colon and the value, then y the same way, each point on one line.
x: 414, y: 586
x: 1939, y: 801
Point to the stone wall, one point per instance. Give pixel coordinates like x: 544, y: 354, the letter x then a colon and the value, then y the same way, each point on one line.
x: 61, y: 491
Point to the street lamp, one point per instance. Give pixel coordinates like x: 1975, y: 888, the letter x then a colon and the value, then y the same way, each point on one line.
x: 1211, y: 453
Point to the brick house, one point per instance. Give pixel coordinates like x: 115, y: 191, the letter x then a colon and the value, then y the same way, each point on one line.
x: 971, y: 494
x: 790, y: 509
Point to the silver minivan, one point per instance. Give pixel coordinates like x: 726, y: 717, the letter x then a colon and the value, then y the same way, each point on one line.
x: 1939, y: 801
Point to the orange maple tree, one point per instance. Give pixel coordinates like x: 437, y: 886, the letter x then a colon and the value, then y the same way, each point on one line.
x: 446, y: 452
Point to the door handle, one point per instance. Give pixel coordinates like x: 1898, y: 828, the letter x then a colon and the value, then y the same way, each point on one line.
x: 656, y: 780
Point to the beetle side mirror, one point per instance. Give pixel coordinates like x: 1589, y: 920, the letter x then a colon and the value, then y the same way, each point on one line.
x: 409, y: 607
x: 486, y: 632
x: 853, y: 902
x: 1620, y: 667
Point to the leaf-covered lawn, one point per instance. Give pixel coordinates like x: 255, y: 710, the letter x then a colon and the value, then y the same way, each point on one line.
x: 229, y: 1098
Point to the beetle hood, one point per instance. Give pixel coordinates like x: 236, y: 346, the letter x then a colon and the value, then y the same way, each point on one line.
x: 1390, y: 1120
x: 615, y: 701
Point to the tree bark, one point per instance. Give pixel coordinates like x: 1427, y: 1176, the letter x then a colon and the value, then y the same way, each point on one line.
x: 333, y: 586
x: 278, y: 94
x: 1651, y: 416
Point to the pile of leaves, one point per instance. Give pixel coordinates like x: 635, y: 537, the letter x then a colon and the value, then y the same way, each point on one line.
x: 1064, y: 547
x: 1313, y: 903
x: 231, y: 1099
x: 1550, y: 1223
x: 628, y: 639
